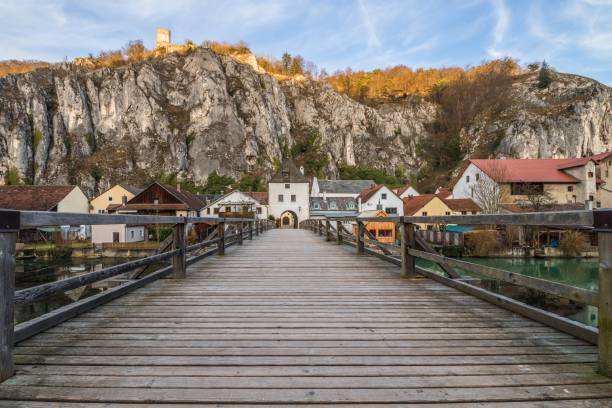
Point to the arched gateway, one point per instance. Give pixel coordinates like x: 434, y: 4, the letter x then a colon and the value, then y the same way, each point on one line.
x: 288, y: 219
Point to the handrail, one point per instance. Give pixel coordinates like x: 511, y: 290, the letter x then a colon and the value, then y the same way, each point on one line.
x: 12, y: 221
x: 599, y: 221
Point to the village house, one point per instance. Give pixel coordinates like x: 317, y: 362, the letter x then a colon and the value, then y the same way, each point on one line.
x: 339, y: 188
x: 239, y: 204
x: 162, y: 199
x: 380, y: 197
x: 112, y: 198
x: 586, y: 181
x: 432, y: 205
x: 406, y: 192
x: 289, y: 195
x: 383, y: 231
x: 63, y: 199
x: 333, y: 207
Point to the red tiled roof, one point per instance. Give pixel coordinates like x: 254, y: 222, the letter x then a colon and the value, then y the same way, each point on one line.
x: 366, y: 194
x: 32, y: 198
x: 413, y: 204
x: 526, y: 170
x: 444, y: 192
x: 461, y: 204
x: 153, y: 207
x: 191, y: 200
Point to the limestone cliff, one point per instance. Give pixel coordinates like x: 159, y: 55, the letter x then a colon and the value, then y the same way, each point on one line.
x: 200, y: 112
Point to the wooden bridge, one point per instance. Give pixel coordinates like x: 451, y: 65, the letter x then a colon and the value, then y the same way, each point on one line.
x: 289, y: 318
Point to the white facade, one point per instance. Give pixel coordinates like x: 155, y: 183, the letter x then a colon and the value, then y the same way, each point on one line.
x: 409, y: 192
x: 472, y: 175
x: 231, y: 200
x: 74, y: 202
x: 117, y: 233
x: 383, y: 199
x: 294, y: 197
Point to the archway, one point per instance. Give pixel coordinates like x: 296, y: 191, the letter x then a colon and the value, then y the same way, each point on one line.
x: 288, y: 219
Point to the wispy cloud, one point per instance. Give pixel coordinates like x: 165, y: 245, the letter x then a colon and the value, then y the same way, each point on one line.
x: 372, y: 37
x: 501, y: 15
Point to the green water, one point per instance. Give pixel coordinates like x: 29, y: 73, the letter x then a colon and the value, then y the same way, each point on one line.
x: 582, y: 273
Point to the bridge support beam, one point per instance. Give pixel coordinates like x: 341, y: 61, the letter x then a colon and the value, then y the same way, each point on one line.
x: 407, y: 243
x: 240, y: 232
x: 221, y: 237
x: 328, y: 235
x: 8, y: 239
x: 179, y: 261
x: 605, y: 301
x: 360, y: 238
x: 251, y: 224
x: 320, y: 227
x: 257, y: 228
x: 339, y: 232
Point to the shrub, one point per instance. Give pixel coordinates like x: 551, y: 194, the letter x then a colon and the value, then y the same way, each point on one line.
x: 11, y: 178
x: 572, y: 243
x: 482, y: 243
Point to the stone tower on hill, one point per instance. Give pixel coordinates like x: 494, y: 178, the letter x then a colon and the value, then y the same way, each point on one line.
x: 162, y: 38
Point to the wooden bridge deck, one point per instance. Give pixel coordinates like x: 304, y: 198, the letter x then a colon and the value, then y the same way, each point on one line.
x: 288, y: 319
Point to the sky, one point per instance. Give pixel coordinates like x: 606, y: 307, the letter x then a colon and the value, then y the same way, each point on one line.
x: 571, y: 35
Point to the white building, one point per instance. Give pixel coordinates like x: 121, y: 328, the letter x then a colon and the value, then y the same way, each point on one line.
x: 239, y: 202
x: 380, y: 197
x: 288, y: 195
x: 339, y: 188
x: 407, y: 192
x: 117, y: 233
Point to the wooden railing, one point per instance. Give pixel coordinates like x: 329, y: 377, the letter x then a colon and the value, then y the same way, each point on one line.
x: 230, y: 231
x: 410, y: 248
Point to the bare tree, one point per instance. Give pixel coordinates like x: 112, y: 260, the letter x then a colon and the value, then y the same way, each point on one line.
x: 488, y: 191
x: 538, y: 199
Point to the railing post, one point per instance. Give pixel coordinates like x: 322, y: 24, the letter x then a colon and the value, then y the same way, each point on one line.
x: 407, y: 243
x: 328, y: 236
x: 179, y: 261
x: 8, y: 240
x: 262, y: 225
x: 251, y: 223
x: 256, y: 227
x: 221, y: 237
x: 339, y: 231
x: 603, y: 224
x: 239, y: 227
x: 320, y: 227
x: 360, y: 238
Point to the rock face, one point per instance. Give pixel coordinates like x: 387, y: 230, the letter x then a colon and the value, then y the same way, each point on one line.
x: 189, y: 115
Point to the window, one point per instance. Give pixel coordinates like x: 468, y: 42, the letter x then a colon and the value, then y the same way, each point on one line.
x: 384, y: 233
x: 110, y: 198
x: 258, y: 210
x: 280, y: 198
x: 350, y: 205
x: 285, y: 175
x: 208, y: 210
x: 424, y: 213
x: 141, y: 233
x: 467, y: 179
x: 591, y: 198
x: 570, y: 189
x: 216, y: 211
x: 101, y: 211
x: 607, y: 173
x: 474, y: 212
x: 317, y: 206
x: 447, y: 213
x: 132, y: 234
x: 373, y: 232
x: 333, y: 205
x: 287, y: 185
x: 383, y: 196
x: 463, y: 212
x: 590, y: 174
x: 477, y: 176
x: 598, y: 204
x: 526, y: 188
x: 228, y: 208
x: 293, y: 198
x: 391, y: 210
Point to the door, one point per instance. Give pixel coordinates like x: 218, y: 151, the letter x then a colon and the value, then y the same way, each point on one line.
x: 115, y: 237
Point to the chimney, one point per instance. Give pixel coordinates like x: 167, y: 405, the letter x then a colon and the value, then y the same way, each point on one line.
x: 178, y: 187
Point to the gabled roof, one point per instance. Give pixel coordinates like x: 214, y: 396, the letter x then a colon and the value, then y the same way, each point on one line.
x: 373, y: 213
x: 33, y: 198
x: 414, y: 204
x: 402, y: 190
x: 192, y: 200
x: 366, y: 194
x: 260, y: 196
x: 461, y: 204
x: 444, y: 192
x: 132, y: 189
x: 288, y: 173
x: 344, y: 186
x: 526, y: 170
x: 188, y: 200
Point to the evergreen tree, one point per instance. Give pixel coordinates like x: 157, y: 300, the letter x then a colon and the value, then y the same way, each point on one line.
x: 544, y: 76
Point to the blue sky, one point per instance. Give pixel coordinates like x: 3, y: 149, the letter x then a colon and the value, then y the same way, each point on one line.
x: 572, y: 35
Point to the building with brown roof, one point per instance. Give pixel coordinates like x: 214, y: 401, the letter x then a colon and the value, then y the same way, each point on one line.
x: 586, y: 180
x: 380, y: 197
x: 68, y: 199
x: 239, y: 204
x: 114, y: 197
x: 432, y: 205
x: 162, y: 199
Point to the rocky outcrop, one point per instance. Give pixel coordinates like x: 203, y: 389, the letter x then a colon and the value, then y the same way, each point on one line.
x: 192, y: 114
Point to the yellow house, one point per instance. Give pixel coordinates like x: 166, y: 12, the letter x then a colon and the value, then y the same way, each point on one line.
x: 113, y: 197
x: 431, y: 204
x: 383, y: 231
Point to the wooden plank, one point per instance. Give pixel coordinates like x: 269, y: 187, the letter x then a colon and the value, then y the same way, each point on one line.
x: 8, y: 240
x: 605, y: 301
